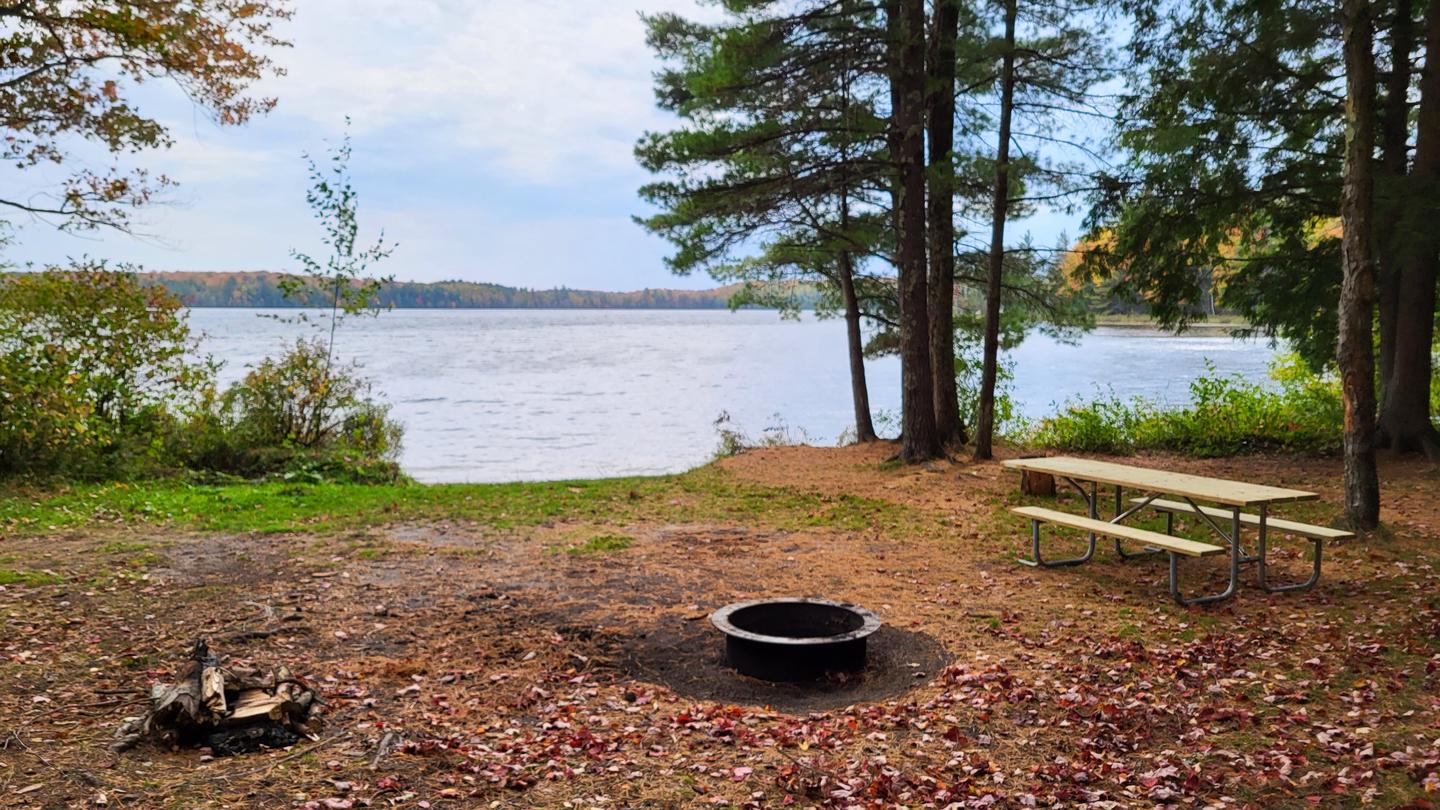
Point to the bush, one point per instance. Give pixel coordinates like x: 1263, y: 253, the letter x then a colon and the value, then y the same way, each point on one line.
x: 93, y: 368
x: 1226, y: 415
x: 100, y: 378
x: 298, y: 415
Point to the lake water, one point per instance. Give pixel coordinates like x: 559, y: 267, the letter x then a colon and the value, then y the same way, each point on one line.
x: 506, y: 395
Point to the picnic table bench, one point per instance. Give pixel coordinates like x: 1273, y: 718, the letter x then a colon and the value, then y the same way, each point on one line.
x: 1087, y: 475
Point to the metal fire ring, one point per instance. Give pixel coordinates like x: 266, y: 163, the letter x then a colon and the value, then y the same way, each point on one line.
x: 721, y: 620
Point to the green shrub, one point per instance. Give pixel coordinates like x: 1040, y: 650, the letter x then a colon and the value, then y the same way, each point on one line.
x: 1106, y: 425
x: 1226, y: 415
x: 300, y: 417
x: 93, y: 368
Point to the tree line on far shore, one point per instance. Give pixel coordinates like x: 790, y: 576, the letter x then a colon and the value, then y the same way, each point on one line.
x: 259, y: 289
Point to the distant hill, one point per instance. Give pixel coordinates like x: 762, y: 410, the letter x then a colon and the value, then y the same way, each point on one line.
x: 262, y: 290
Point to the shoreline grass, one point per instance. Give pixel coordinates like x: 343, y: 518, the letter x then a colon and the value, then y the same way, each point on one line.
x: 706, y: 493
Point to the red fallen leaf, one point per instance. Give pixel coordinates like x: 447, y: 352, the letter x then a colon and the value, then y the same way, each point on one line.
x: 740, y: 773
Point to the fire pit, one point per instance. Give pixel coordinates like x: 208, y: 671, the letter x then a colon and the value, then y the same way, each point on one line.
x: 794, y: 639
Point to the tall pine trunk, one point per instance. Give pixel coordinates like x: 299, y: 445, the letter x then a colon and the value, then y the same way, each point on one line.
x: 1389, y: 202
x: 859, y: 391
x: 985, y: 421
x: 940, y: 125
x: 906, y: 28
x: 1405, y: 419
x: 845, y: 271
x: 1355, y: 351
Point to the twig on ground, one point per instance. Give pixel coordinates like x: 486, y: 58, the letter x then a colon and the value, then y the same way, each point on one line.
x: 387, y: 744
x: 81, y: 776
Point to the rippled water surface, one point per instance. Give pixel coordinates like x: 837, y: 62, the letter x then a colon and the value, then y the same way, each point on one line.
x: 502, y: 395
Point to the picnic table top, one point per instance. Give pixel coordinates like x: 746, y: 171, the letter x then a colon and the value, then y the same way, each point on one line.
x: 1215, y: 490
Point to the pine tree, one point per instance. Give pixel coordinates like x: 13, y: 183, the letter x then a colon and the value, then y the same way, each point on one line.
x: 776, y: 173
x: 1235, y: 145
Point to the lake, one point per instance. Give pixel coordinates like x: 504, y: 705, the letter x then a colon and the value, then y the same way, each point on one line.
x: 508, y: 395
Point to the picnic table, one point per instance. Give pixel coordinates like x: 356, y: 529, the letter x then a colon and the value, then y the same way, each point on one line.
x: 1188, y: 495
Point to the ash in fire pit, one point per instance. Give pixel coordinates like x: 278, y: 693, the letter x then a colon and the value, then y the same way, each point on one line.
x: 795, y: 640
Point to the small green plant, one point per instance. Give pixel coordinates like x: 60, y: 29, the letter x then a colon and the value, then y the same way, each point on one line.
x: 734, y: 441
x: 342, y: 281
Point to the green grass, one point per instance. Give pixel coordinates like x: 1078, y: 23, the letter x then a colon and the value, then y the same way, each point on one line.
x: 703, y: 494
x: 12, y: 577
x: 600, y: 544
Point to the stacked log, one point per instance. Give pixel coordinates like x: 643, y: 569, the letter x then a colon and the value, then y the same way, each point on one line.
x: 229, y: 710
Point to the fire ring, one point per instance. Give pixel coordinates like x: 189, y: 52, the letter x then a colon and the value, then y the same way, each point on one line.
x: 794, y: 639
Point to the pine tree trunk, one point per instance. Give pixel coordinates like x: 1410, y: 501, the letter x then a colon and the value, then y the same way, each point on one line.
x: 859, y: 391
x: 1405, y: 417
x: 845, y: 268
x: 1355, y: 353
x: 906, y: 24
x: 985, y: 421
x: 940, y: 123
x: 1394, y: 163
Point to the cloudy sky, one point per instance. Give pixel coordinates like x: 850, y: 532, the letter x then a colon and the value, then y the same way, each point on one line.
x: 492, y: 142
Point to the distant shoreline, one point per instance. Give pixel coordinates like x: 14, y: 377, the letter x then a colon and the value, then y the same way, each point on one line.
x: 1140, y: 322
x: 260, y: 290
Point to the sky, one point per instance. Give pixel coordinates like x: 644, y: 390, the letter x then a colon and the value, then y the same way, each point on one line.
x: 492, y: 142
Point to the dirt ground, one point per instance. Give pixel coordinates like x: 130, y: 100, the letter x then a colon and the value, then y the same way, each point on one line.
x: 463, y: 665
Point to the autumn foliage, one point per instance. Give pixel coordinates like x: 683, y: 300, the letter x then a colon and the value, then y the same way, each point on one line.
x: 72, y: 69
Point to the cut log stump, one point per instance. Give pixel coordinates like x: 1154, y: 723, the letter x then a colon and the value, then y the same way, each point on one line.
x: 1037, y: 483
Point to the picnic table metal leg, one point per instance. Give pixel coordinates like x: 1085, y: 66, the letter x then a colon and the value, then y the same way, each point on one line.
x: 1260, y: 549
x: 1118, y: 511
x: 1234, y: 569
x: 1261, y: 571
x: 1041, y: 562
x: 1231, y: 537
x: 1094, y: 508
x: 1091, y: 497
x: 1121, y: 515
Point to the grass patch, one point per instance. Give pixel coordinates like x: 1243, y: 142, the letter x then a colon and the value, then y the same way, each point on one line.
x: 9, y: 576
x: 599, y: 544
x: 704, y: 494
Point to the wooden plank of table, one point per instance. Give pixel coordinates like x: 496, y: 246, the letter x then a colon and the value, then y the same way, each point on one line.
x: 1147, y: 479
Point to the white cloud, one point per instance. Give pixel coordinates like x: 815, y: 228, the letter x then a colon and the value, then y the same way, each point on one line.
x: 493, y: 142
x: 538, y: 89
